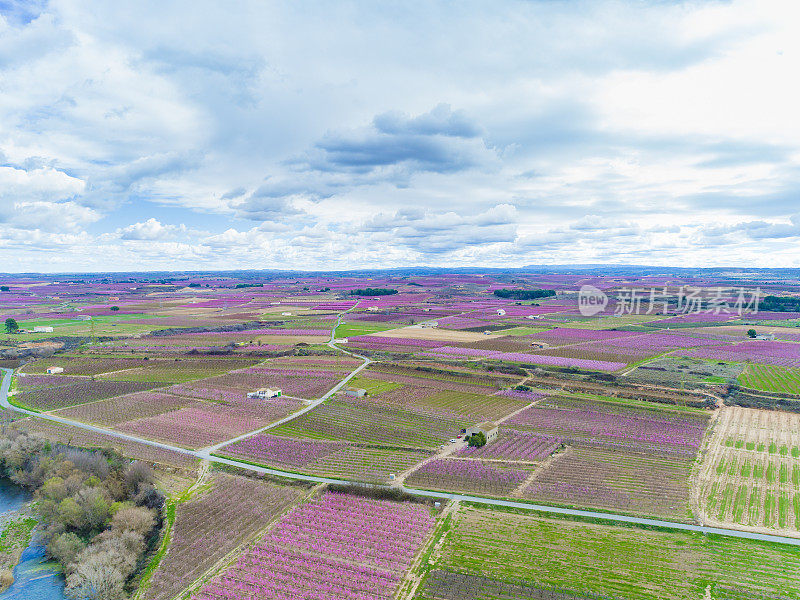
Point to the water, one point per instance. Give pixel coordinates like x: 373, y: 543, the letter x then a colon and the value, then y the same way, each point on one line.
x: 35, y: 578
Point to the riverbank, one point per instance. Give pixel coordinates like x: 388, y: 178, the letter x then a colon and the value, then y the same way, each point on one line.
x: 16, y: 529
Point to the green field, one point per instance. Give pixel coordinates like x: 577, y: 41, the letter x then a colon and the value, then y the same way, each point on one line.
x: 362, y: 328
x: 373, y: 386
x: 583, y: 557
x: 770, y: 378
x: 115, y: 325
x: 523, y: 330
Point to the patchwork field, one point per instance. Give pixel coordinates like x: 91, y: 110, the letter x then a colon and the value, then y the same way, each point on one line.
x: 627, y: 414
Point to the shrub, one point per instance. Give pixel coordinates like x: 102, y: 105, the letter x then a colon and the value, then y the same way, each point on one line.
x: 477, y: 440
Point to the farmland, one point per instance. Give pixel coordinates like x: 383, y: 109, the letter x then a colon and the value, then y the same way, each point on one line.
x: 628, y: 415
x: 225, y: 513
x: 771, y: 378
x: 336, y: 546
x: 751, y: 470
x: 497, y: 550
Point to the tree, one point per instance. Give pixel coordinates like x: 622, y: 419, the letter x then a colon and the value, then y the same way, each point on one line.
x: 4, y: 288
x: 65, y: 548
x: 751, y: 333
x: 476, y: 440
x: 114, y: 308
x: 135, y: 518
x: 11, y: 325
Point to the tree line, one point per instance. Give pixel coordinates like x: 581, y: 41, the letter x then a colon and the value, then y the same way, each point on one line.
x: 373, y: 292
x: 524, y: 294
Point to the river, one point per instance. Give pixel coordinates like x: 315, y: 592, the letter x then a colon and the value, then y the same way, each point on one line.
x: 35, y: 578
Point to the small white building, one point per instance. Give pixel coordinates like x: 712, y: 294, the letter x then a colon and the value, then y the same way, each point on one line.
x: 264, y: 393
x: 500, y: 312
x: 84, y: 317
x: 764, y: 336
x: 54, y: 370
x: 42, y: 329
x: 341, y: 341
x: 373, y: 308
x: 355, y: 392
x: 286, y: 314
x: 533, y: 317
x: 488, y: 429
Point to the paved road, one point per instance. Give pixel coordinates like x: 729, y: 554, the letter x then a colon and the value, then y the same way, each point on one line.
x: 204, y: 454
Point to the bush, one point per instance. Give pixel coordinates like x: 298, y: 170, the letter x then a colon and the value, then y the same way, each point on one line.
x: 65, y: 548
x: 476, y: 440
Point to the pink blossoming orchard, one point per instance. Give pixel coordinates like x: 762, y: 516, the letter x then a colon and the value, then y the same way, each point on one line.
x: 236, y: 390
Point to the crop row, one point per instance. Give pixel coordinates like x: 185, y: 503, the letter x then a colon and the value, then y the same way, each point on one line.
x: 516, y: 445
x: 608, y: 561
x: 588, y: 426
x: 305, y: 383
x: 468, y: 475
x: 648, y: 485
x: 558, y: 361
x: 203, y: 424
x: 771, y: 378
x: 363, y: 421
x: 785, y: 354
x: 211, y: 525
x: 79, y: 392
x: 338, y: 546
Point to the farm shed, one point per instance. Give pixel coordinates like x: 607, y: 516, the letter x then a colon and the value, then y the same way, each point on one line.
x: 500, y: 312
x: 355, y: 392
x: 488, y: 429
x: 265, y: 393
x: 54, y: 370
x: 42, y: 329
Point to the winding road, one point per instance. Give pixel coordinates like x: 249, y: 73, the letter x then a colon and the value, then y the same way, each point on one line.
x: 207, y: 454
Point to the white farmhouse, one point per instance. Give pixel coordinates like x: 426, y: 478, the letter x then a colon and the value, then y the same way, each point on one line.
x: 54, y: 370
x: 265, y: 393
x: 488, y: 429
x: 42, y: 329
x: 355, y: 392
x: 500, y: 312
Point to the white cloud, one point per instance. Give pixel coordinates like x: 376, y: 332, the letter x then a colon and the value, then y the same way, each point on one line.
x: 151, y: 229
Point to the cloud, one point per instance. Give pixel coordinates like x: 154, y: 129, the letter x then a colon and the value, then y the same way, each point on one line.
x: 757, y: 230
x: 439, y: 141
x: 438, y: 233
x: 152, y: 229
x: 267, y: 203
x: 615, y: 129
x: 441, y: 120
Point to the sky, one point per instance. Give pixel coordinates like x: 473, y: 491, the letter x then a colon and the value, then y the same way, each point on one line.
x: 333, y: 135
